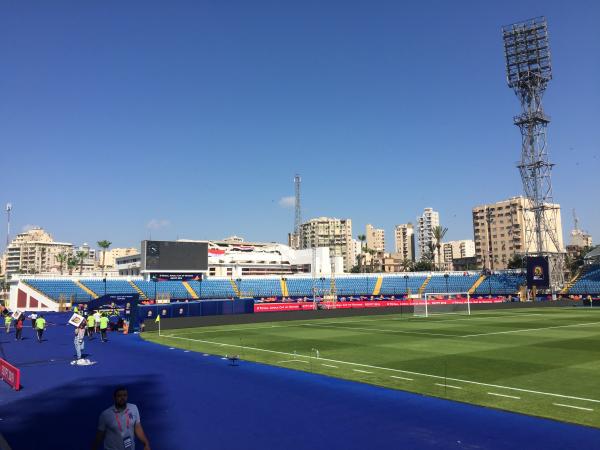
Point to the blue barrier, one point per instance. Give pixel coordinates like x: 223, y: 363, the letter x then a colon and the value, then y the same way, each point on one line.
x: 198, y: 308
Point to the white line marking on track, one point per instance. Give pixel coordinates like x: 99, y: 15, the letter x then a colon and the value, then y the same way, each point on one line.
x: 531, y: 329
x: 574, y: 407
x: 504, y: 395
x: 361, y: 371
x: 330, y: 365
x: 448, y: 385
x: 438, y: 377
x: 401, y: 378
x: 292, y: 360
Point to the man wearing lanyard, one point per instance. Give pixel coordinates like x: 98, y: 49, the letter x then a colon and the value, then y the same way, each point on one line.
x: 119, y: 425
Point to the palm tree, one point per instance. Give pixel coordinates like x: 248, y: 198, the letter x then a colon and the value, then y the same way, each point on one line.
x: 406, y: 265
x: 81, y: 255
x: 72, y: 262
x: 362, y: 238
x: 438, y: 234
x: 61, y: 258
x: 104, y: 246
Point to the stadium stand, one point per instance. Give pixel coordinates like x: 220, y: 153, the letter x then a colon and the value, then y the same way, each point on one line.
x: 500, y: 283
x: 588, y: 283
x: 505, y: 283
x: 55, y: 288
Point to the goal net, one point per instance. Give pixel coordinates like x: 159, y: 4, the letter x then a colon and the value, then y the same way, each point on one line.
x: 443, y: 303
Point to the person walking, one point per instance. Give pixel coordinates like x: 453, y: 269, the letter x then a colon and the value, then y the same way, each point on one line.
x: 33, y: 316
x: 7, y: 321
x: 91, y: 322
x: 119, y: 425
x: 79, y: 341
x: 103, y: 327
x: 96, y: 321
x: 19, y: 328
x: 40, y: 326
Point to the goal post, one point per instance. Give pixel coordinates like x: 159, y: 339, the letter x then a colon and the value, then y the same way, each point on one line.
x: 435, y: 303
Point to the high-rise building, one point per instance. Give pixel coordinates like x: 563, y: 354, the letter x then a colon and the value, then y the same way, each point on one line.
x: 114, y: 253
x: 35, y: 252
x: 375, y: 238
x: 404, y: 240
x: 499, y: 231
x: 329, y: 232
x: 425, y: 225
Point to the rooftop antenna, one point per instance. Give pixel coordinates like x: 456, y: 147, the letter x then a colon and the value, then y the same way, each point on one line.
x: 575, y: 220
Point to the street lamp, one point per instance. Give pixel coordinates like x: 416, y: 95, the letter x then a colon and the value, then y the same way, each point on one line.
x: 446, y: 277
x: 406, y: 284
x: 104, y: 285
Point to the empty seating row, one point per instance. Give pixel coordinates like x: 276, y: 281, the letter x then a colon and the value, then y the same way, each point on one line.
x: 57, y: 289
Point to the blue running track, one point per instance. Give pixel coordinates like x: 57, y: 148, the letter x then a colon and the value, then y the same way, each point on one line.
x: 190, y: 401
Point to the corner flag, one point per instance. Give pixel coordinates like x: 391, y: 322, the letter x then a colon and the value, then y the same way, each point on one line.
x: 157, y: 318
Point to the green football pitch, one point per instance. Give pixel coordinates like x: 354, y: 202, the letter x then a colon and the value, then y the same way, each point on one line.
x: 543, y: 362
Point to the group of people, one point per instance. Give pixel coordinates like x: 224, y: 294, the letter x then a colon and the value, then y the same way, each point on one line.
x: 38, y: 323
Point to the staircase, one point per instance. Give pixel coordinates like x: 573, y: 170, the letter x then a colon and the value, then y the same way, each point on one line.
x: 235, y: 287
x: 86, y: 289
x: 473, y: 288
x: 424, y: 285
x: 142, y: 295
x: 377, y: 288
x: 284, y: 288
x: 190, y: 290
x: 571, y: 282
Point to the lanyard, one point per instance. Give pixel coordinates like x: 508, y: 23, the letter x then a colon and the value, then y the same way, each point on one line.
x: 119, y: 421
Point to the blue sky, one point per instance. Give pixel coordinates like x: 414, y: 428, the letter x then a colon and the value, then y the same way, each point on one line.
x: 189, y: 119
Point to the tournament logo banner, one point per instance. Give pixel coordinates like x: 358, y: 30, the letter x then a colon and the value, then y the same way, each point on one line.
x: 176, y: 277
x: 538, y: 273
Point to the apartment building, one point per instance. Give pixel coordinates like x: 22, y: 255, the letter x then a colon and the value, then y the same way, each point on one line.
x: 499, y: 232
x: 425, y: 225
x: 457, y: 250
x: 375, y: 238
x: 404, y: 241
x: 333, y: 233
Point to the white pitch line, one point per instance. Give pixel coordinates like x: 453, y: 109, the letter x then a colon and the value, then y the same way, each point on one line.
x: 504, y: 395
x: 531, y: 329
x: 401, y: 378
x: 383, y: 330
x: 329, y: 365
x: 448, y: 385
x: 438, y: 377
x: 574, y: 407
x: 292, y: 360
x: 361, y: 371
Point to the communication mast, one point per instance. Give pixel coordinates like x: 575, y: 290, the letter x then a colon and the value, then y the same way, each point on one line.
x: 8, y: 210
x: 528, y: 71
x: 294, y: 238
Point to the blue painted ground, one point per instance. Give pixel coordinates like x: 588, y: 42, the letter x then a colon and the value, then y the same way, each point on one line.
x: 189, y: 401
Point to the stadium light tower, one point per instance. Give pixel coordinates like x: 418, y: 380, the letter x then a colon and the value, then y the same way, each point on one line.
x: 528, y: 71
x: 8, y: 210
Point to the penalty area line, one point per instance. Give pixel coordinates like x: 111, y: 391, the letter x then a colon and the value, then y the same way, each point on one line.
x: 368, y: 366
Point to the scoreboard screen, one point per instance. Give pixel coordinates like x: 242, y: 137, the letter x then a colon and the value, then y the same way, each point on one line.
x: 174, y: 256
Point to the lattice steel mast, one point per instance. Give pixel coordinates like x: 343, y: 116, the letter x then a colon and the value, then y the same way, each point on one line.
x: 528, y: 71
x: 297, y: 207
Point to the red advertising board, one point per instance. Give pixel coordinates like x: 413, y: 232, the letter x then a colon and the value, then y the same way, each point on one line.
x: 304, y: 306
x: 10, y: 374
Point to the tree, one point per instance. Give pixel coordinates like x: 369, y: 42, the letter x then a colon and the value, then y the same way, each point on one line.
x: 517, y: 261
x: 61, y: 258
x: 422, y: 266
x: 406, y: 265
x: 438, y: 234
x: 362, y: 238
x: 81, y: 255
x: 104, y: 246
x: 72, y: 262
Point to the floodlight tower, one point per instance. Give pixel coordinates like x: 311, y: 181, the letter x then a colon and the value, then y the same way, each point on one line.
x: 8, y: 210
x: 528, y: 71
x: 297, y: 208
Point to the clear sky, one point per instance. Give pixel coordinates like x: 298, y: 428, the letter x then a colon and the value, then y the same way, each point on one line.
x: 188, y: 119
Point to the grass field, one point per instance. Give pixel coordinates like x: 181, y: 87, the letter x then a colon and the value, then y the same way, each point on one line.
x: 544, y: 362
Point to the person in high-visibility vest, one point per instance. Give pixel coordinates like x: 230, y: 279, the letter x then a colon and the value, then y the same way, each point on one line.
x: 91, y: 322
x: 40, y: 326
x: 7, y: 322
x: 103, y: 327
